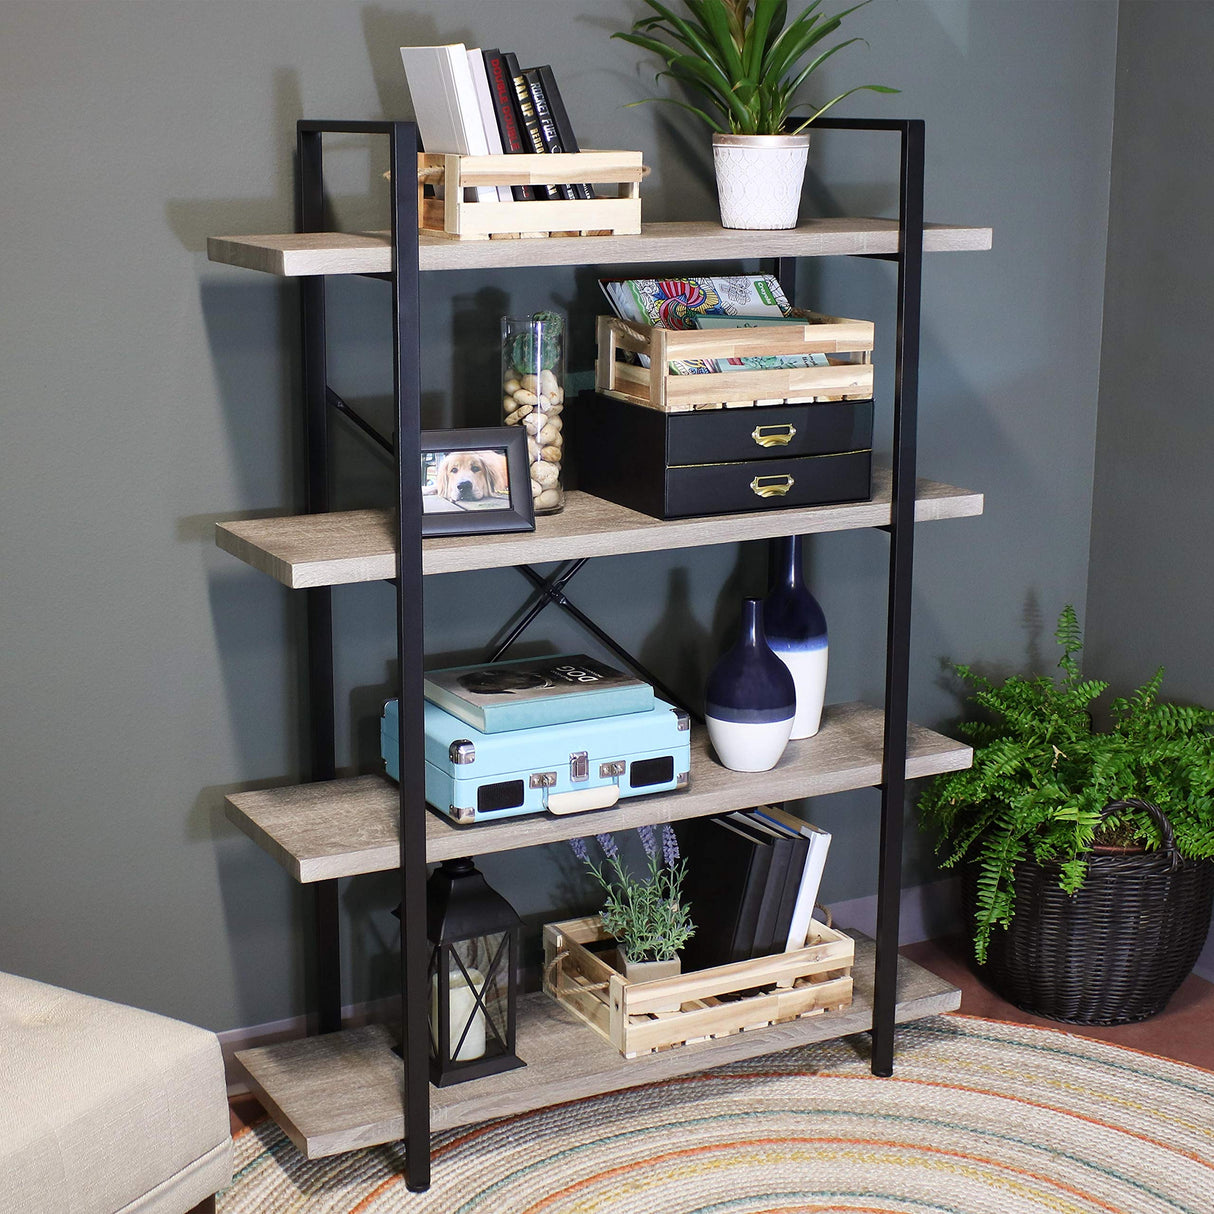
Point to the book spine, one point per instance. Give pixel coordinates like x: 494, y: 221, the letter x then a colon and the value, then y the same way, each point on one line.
x: 484, y: 101
x: 588, y: 706
x: 506, y: 112
x: 564, y: 128
x: 530, y: 123
x: 543, y: 116
x: 811, y: 881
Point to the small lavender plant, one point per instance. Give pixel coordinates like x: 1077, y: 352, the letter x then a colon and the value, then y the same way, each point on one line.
x: 646, y: 915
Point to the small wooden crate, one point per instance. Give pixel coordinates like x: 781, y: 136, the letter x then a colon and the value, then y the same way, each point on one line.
x: 848, y: 343
x: 716, y: 1002
x: 452, y: 216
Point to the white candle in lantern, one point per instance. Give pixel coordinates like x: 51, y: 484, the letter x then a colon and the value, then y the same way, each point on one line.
x: 461, y: 1002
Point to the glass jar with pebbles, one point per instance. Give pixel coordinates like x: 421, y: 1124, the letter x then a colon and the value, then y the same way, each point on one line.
x: 533, y: 396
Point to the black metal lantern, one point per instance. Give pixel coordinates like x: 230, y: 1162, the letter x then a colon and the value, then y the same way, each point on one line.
x: 474, y: 936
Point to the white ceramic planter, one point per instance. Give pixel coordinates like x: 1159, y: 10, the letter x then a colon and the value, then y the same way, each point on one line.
x: 759, y: 179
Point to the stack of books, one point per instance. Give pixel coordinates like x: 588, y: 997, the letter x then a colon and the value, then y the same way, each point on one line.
x: 752, y: 883
x: 481, y: 103
x: 496, y: 697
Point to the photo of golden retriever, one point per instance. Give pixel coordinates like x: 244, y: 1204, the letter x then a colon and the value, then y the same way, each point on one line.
x: 465, y: 480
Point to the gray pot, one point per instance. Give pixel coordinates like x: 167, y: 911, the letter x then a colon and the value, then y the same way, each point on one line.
x: 651, y: 971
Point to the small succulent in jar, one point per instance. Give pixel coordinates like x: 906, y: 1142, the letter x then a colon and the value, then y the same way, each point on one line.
x: 529, y: 356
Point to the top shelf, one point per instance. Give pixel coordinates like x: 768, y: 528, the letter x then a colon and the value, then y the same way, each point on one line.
x: 292, y: 255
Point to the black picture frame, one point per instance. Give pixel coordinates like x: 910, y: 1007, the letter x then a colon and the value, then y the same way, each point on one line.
x: 463, y: 495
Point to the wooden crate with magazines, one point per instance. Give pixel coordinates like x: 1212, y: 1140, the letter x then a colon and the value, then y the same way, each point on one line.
x: 845, y: 345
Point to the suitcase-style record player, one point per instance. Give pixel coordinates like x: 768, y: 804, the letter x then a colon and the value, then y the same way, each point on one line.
x: 560, y: 768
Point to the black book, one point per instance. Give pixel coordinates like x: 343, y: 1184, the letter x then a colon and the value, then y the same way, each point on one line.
x: 792, y: 849
x: 770, y: 900
x: 507, y: 113
x: 560, y: 116
x: 531, y: 126
x: 543, y: 116
x: 727, y: 869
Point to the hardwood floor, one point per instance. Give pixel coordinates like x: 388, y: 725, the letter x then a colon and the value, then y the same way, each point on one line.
x: 1182, y: 1031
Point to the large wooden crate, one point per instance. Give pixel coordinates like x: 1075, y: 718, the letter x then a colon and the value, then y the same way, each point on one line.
x: 451, y: 215
x: 847, y: 343
x: 715, y: 1002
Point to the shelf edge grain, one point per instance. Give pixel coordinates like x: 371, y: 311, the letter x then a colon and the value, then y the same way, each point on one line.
x: 299, y: 254
x: 309, y: 550
x: 348, y: 827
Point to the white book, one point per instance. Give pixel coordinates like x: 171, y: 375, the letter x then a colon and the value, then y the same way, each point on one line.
x: 811, y: 874
x: 484, y: 100
x: 444, y: 103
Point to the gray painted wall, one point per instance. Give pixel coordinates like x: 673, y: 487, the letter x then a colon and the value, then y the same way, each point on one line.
x: 147, y: 393
x: 1152, y: 564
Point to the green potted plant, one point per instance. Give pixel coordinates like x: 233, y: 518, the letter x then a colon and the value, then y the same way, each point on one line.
x: 646, y: 915
x: 1087, y: 849
x: 745, y: 62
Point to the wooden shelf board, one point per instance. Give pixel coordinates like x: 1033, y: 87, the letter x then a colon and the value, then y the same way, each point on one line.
x: 342, y: 1091
x: 293, y: 254
x: 307, y: 550
x: 342, y: 828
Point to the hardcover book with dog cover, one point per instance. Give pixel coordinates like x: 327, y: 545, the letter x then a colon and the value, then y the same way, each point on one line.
x: 495, y: 697
x: 567, y: 768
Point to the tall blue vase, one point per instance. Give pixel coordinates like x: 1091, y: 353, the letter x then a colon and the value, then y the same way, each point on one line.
x: 796, y: 632
x: 751, y: 699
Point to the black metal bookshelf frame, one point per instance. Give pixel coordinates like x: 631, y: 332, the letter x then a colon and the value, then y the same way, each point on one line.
x: 319, y: 398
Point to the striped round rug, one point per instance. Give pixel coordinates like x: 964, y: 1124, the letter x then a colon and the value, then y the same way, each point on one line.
x: 980, y: 1117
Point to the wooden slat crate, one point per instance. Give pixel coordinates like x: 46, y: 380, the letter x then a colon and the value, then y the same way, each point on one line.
x: 452, y: 216
x: 715, y: 1002
x: 848, y: 344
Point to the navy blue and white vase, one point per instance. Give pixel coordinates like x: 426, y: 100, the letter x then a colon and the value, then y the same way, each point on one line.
x: 796, y: 632
x: 751, y: 699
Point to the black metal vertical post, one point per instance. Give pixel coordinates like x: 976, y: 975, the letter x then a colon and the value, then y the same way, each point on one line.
x: 410, y: 646
x: 786, y: 275
x: 319, y: 602
x: 902, y: 530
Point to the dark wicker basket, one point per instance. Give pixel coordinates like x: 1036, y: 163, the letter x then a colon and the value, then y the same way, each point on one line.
x: 1114, y: 952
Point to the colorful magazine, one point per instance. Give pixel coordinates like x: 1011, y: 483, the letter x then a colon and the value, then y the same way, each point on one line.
x: 679, y: 303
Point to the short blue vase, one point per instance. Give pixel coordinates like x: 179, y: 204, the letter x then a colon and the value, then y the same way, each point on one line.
x: 751, y: 699
x: 796, y: 632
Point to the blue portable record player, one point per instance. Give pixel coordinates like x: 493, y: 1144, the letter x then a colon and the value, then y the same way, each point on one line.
x: 562, y: 768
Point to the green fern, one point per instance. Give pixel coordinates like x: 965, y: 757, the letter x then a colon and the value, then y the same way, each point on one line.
x: 1042, y: 777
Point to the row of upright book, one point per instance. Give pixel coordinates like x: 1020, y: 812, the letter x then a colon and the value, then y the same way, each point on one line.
x: 478, y: 102
x: 752, y: 882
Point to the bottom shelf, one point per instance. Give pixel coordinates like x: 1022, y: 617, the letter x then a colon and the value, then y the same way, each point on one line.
x: 342, y: 1091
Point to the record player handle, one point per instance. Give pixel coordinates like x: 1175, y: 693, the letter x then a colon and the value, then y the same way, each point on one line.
x: 583, y: 799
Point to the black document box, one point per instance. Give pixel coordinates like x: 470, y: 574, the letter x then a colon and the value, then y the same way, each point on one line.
x: 722, y: 461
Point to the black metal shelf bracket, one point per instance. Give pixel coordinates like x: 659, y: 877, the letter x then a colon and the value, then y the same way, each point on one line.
x: 404, y: 277
x: 340, y: 406
x: 909, y: 259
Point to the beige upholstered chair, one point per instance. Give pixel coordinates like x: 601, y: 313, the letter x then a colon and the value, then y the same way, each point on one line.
x: 105, y: 1109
